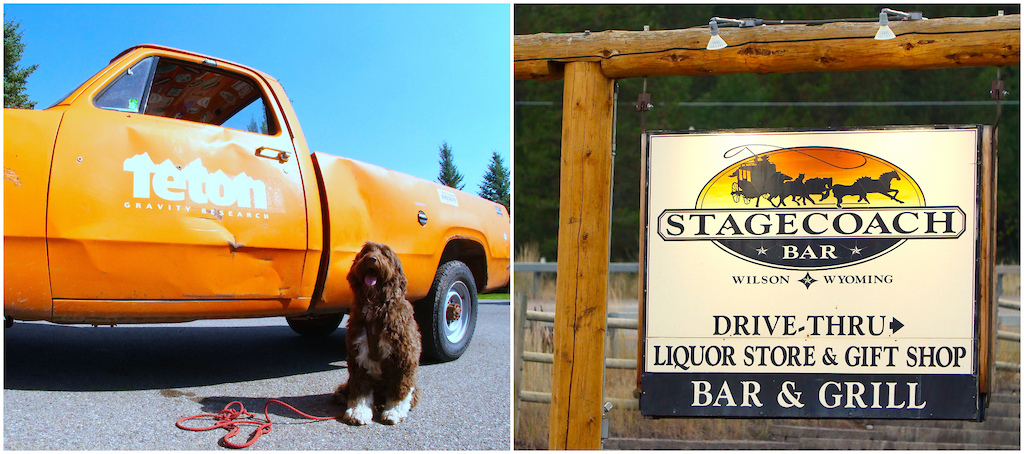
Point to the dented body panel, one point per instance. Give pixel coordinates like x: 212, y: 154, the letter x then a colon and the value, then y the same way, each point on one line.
x: 389, y: 206
x: 130, y: 202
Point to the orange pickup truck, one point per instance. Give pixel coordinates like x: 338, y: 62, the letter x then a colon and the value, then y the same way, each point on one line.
x: 173, y: 186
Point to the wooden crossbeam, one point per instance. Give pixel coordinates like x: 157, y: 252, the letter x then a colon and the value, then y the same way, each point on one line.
x: 768, y: 49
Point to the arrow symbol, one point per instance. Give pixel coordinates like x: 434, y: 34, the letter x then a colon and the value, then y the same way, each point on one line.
x: 895, y: 325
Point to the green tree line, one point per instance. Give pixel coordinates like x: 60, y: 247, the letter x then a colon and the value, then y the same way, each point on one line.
x: 496, y: 185
x: 537, y: 114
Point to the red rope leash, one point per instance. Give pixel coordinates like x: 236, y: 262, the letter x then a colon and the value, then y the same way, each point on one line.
x: 228, y: 419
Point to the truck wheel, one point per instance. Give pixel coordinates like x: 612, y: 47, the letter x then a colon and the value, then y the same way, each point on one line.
x: 315, y: 325
x: 447, y: 316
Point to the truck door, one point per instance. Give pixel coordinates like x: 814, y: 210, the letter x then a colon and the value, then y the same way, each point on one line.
x: 175, y: 180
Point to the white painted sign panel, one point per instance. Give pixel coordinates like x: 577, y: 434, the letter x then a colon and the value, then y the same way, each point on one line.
x: 812, y: 273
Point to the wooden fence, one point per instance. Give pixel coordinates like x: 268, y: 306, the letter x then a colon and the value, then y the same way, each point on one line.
x: 1007, y: 303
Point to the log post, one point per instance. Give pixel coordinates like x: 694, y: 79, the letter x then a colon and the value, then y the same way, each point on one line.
x: 583, y: 233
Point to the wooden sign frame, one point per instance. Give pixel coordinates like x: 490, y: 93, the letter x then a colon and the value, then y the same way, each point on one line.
x: 589, y: 61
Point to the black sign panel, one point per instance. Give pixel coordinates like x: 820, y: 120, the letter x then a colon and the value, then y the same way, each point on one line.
x: 900, y: 396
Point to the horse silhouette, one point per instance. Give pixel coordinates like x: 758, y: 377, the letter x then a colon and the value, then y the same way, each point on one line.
x: 796, y: 188
x: 883, y: 185
x: 865, y: 185
x: 773, y: 187
x: 819, y: 186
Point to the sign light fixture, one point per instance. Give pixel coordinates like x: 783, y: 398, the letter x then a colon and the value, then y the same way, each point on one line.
x: 884, y: 32
x: 716, y: 41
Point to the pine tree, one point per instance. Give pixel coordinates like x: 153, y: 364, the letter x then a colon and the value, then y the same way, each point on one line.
x: 15, y: 77
x: 449, y: 174
x: 496, y: 184
x: 261, y: 126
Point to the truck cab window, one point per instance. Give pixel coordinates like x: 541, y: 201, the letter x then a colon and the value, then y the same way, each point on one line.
x: 192, y: 92
x: 252, y: 118
x: 128, y: 91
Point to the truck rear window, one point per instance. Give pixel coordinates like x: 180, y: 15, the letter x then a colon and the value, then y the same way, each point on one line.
x: 189, y: 91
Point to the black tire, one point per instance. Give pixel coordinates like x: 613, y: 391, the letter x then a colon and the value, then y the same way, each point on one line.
x: 446, y: 333
x: 315, y: 325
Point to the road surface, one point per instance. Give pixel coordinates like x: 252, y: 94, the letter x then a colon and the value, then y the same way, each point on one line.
x: 124, y: 387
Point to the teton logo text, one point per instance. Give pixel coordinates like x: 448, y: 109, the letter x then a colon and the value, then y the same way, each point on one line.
x: 172, y: 183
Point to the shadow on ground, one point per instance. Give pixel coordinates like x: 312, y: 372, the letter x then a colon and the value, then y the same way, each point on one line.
x: 77, y: 358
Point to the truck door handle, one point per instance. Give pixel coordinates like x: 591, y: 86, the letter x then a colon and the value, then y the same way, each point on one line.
x: 270, y: 153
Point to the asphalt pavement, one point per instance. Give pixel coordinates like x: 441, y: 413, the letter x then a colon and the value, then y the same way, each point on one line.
x: 124, y: 387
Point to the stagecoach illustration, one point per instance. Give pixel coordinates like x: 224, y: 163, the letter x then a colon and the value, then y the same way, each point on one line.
x: 761, y: 179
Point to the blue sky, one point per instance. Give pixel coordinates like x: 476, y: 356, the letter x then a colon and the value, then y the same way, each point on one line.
x: 384, y: 84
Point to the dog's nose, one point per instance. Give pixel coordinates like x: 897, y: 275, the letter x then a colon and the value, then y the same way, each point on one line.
x: 372, y: 259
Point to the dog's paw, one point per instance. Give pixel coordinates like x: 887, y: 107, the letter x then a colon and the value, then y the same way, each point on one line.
x: 397, y: 411
x: 360, y: 410
x: 358, y: 416
x: 393, y: 416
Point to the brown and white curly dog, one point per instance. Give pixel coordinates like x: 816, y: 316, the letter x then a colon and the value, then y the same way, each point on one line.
x: 383, y: 341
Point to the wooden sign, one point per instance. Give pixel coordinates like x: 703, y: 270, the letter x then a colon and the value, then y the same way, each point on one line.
x: 818, y: 274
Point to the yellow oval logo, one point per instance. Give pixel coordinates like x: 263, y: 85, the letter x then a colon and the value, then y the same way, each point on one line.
x: 814, y: 208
